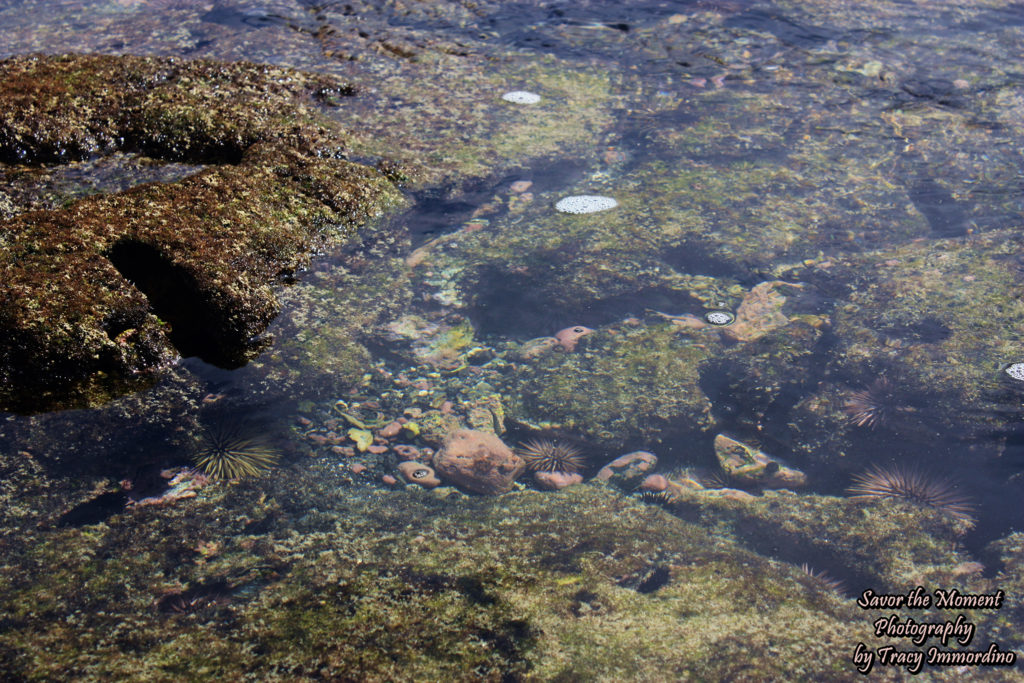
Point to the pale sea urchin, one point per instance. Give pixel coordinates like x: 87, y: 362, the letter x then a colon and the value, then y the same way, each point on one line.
x: 543, y: 455
x: 227, y: 452
x: 913, y: 485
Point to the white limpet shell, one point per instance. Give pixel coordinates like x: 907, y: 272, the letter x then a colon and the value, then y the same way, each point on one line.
x: 719, y: 317
x: 1016, y: 371
x: 585, y: 203
x: 521, y: 97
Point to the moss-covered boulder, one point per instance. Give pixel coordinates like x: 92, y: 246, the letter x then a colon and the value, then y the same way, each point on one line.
x: 114, y: 286
x: 618, y: 386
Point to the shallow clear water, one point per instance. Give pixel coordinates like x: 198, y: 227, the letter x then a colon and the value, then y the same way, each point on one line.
x: 845, y: 181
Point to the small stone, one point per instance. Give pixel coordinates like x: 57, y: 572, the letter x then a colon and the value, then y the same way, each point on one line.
x: 377, y: 449
x: 521, y: 97
x: 520, y: 186
x: 418, y: 473
x: 759, y: 313
x: 626, y: 470
x: 356, y: 468
x: 389, y: 480
x: 478, y: 461
x: 390, y: 430
x: 554, y: 481
x: 304, y: 421
x: 585, y: 203
x: 347, y: 451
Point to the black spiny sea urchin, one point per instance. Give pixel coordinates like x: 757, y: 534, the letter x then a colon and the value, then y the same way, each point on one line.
x: 912, y: 485
x: 227, y: 452
x: 873, y: 406
x: 543, y: 455
x: 823, y: 579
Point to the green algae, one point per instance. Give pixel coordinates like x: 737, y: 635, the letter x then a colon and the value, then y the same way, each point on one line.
x: 402, y: 584
x: 616, y: 386
x: 821, y: 203
x: 143, y: 262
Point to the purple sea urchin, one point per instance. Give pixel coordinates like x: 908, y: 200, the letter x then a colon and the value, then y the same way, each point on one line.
x: 912, y: 485
x: 543, y: 455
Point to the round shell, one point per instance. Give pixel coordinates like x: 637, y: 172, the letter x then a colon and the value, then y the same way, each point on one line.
x: 585, y: 203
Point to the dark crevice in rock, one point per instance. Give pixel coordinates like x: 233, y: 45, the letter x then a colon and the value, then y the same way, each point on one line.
x: 175, y: 298
x: 108, y: 289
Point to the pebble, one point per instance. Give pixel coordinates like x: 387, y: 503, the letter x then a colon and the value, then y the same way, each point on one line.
x: 391, y: 430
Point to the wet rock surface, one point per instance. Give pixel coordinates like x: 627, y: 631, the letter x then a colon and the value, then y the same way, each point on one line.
x: 843, y: 178
x: 115, y: 286
x: 478, y: 461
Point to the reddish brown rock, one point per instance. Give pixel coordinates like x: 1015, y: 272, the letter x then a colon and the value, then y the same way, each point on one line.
x: 554, y: 481
x: 627, y: 469
x: 391, y: 430
x: 654, y: 483
x: 478, y: 461
x: 569, y: 337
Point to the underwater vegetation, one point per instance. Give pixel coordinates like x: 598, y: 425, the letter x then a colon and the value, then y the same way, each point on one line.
x: 229, y: 452
x: 912, y: 485
x: 542, y: 455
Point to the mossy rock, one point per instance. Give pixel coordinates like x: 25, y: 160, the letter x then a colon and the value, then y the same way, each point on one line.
x: 110, y: 288
x: 618, y: 386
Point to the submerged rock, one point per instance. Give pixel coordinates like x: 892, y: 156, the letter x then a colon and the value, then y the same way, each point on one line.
x: 478, y: 461
x: 626, y: 470
x: 751, y: 466
x: 113, y: 286
x: 555, y: 481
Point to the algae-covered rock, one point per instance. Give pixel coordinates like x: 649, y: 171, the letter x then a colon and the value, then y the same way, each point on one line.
x: 115, y: 286
x: 633, y: 383
x: 880, y: 542
x: 384, y: 585
x: 755, y: 467
x: 627, y: 470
